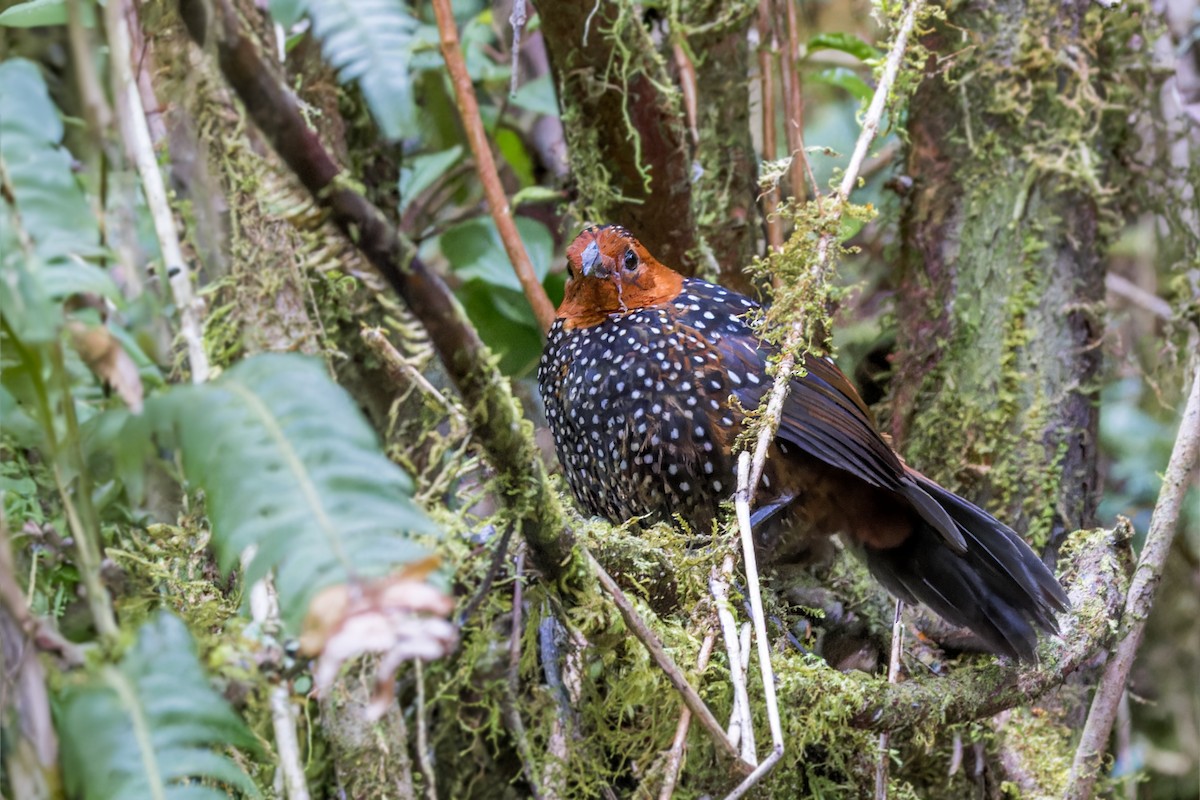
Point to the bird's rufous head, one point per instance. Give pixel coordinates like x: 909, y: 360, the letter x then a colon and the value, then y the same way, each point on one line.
x: 612, y: 273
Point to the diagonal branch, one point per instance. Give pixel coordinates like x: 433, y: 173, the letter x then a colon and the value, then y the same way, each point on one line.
x: 487, y: 396
x: 1163, y: 523
x: 1096, y: 591
x: 485, y: 166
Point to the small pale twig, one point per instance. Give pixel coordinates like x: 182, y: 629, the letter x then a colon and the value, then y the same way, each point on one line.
x: 1128, y: 290
x: 750, y: 563
x: 793, y: 103
x: 517, y: 20
x: 485, y: 587
x: 424, y: 763
x: 740, y: 730
x: 687, y: 85
x: 95, y: 105
x: 1163, y: 523
x: 675, y: 756
x: 264, y: 610
x: 796, y: 334
x: 401, y: 369
x: 885, y: 738
x: 136, y: 133
x: 654, y: 646
x: 485, y: 165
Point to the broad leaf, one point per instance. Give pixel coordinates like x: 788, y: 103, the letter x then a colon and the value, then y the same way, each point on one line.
x: 149, y: 726
x: 289, y: 466
x: 40, y: 13
x: 474, y: 250
x: 846, y: 43
x: 49, y: 200
x: 418, y: 173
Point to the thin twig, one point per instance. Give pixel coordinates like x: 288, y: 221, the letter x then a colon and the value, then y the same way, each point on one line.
x: 687, y: 85
x: 264, y: 610
x: 401, y: 369
x: 1093, y: 743
x: 675, y: 755
x: 654, y: 646
x: 517, y: 20
x: 96, y: 111
x: 468, y: 110
x: 798, y: 331
x: 750, y: 564
x: 881, y: 769
x: 136, y: 133
x: 1128, y: 290
x: 740, y: 731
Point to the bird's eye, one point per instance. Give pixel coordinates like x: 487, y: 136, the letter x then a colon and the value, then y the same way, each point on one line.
x: 570, y: 270
x: 631, y: 260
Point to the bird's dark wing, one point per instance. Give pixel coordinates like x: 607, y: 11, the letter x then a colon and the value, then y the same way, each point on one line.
x: 822, y: 415
x: 825, y: 418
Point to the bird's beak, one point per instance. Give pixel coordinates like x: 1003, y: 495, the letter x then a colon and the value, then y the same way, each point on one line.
x: 590, y: 264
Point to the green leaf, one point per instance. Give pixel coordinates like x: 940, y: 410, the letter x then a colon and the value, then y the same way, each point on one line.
x: 474, y: 250
x: 289, y: 465
x: 39, y: 13
x: 418, y: 173
x: 505, y: 320
x: 149, y: 726
x: 287, y: 12
x: 846, y: 43
x: 50, y: 203
x: 538, y: 95
x: 845, y: 79
x: 536, y: 194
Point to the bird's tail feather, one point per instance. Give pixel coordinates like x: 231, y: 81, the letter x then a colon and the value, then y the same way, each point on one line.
x: 998, y: 587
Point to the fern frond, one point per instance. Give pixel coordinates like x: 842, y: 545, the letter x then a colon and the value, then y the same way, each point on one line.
x: 146, y: 727
x: 289, y: 466
x: 371, y: 42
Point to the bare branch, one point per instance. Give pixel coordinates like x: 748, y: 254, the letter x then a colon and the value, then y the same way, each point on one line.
x: 654, y: 646
x: 485, y: 166
x: 1093, y: 743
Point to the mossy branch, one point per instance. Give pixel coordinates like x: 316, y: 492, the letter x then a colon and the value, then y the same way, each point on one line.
x: 1097, y: 588
x: 494, y: 413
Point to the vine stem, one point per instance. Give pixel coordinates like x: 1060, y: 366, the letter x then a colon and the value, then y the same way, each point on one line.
x: 799, y: 329
x: 1093, y: 743
x: 485, y: 166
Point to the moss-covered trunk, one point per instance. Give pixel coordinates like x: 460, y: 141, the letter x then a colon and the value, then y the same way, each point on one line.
x: 1000, y: 308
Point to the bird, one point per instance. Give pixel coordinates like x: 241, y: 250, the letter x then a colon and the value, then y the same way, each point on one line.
x: 647, y: 377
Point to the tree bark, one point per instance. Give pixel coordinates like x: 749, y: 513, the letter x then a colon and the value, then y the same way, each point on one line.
x: 726, y: 187
x: 626, y: 132
x: 1001, y: 285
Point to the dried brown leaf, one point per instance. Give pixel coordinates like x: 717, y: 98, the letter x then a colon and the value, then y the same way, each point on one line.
x: 105, y: 357
x: 400, y: 617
